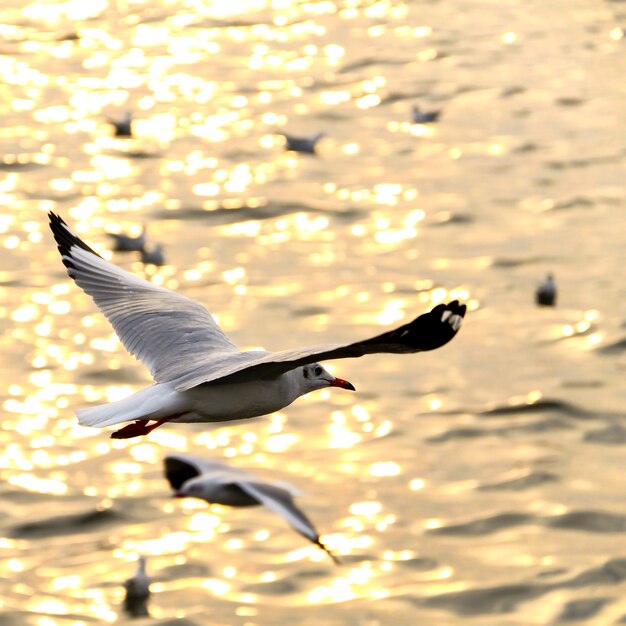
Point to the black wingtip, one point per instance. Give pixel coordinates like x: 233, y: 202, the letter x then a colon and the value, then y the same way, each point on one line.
x: 66, y: 239
x: 334, y: 558
x: 426, y: 332
x: 439, y: 326
x: 178, y: 472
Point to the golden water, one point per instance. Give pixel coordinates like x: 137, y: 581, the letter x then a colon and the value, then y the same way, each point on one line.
x: 482, y: 483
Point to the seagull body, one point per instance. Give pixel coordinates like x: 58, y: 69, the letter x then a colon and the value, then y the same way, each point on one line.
x: 305, y: 145
x: 424, y: 117
x: 207, y: 403
x: 546, y: 292
x: 137, y: 591
x: 127, y: 243
x: 218, y: 483
x: 200, y: 375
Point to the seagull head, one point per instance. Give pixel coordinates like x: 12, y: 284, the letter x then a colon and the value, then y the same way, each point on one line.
x: 316, y: 377
x: 195, y: 488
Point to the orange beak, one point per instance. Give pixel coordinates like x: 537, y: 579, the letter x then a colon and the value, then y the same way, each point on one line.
x: 340, y: 382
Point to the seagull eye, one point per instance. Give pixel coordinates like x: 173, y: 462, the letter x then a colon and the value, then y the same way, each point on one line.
x: 318, y: 371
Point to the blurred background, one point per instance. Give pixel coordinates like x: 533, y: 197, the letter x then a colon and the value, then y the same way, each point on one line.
x: 482, y: 483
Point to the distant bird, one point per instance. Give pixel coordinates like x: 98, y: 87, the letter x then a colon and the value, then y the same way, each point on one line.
x: 201, y: 376
x: 424, y: 117
x: 153, y: 255
x: 305, y: 145
x: 137, y: 591
x: 124, y: 126
x: 218, y: 483
x: 545, y: 295
x: 127, y: 243
x: 75, y: 36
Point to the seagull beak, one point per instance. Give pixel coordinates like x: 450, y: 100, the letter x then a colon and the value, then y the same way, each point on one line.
x: 340, y: 382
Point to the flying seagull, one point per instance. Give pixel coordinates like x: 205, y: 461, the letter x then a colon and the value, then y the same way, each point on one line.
x: 545, y: 295
x: 218, y: 483
x: 305, y: 145
x: 200, y: 375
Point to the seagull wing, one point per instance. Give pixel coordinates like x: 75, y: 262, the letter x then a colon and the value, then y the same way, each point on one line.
x: 173, y: 335
x: 426, y: 332
x: 179, y: 468
x: 280, y: 501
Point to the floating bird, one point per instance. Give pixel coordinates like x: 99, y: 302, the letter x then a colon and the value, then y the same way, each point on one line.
x: 305, y: 145
x: 153, y: 255
x: 137, y: 591
x: 545, y: 295
x: 126, y: 243
x: 201, y: 376
x: 123, y: 126
x: 218, y: 483
x: 424, y: 117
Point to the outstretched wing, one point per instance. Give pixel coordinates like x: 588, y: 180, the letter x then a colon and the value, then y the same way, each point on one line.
x: 426, y: 332
x: 281, y: 502
x: 173, y: 335
x: 179, y: 468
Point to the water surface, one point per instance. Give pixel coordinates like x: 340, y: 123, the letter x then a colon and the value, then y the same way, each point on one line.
x: 482, y: 483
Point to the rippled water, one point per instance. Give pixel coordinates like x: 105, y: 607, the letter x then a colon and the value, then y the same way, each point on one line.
x: 482, y: 483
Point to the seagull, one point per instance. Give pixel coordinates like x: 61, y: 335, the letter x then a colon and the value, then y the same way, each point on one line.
x: 424, y: 117
x: 127, y: 243
x: 199, y: 374
x: 153, y: 255
x: 545, y: 295
x: 218, y: 483
x: 137, y: 591
x: 123, y: 126
x: 305, y: 145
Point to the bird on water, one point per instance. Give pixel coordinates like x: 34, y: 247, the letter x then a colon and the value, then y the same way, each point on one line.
x: 305, y: 145
x: 424, y: 117
x: 545, y: 294
x: 137, y: 591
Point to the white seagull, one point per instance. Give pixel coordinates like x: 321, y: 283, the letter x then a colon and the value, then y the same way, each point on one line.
x: 424, y: 117
x: 137, y: 591
x: 123, y: 126
x: 218, y: 483
x: 545, y: 295
x: 306, y: 145
x: 200, y: 375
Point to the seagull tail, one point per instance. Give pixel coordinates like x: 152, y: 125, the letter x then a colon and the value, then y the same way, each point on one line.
x: 151, y: 403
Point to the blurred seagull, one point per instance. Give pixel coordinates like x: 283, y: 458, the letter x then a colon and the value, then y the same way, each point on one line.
x: 153, y: 255
x: 424, y: 117
x: 123, y: 126
x: 126, y: 243
x: 218, y: 483
x: 545, y: 295
x: 305, y: 145
x: 201, y: 376
x: 137, y: 591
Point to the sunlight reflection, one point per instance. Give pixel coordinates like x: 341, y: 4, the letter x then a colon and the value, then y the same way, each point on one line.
x: 385, y: 468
